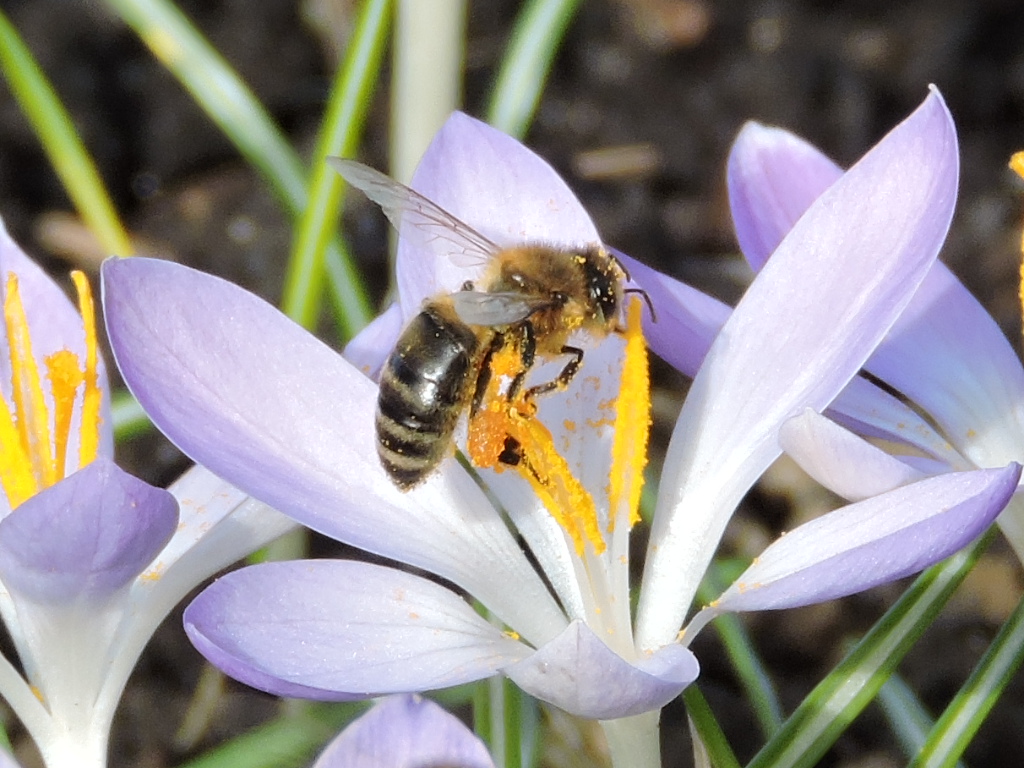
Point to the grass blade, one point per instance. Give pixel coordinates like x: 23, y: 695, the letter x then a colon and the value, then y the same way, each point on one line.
x: 536, y: 37
x: 53, y: 125
x: 815, y: 725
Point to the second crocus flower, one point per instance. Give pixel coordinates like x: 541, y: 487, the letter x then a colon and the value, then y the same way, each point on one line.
x: 91, y: 558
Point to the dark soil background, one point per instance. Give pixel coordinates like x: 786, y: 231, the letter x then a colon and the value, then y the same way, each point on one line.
x: 644, y: 101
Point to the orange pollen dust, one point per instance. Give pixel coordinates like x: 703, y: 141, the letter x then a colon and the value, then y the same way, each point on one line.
x: 505, y: 433
x: 36, y: 424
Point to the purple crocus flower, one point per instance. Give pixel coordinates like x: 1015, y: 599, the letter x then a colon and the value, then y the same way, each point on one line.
x: 91, y: 558
x: 945, y: 354
x: 405, y: 731
x: 263, y: 404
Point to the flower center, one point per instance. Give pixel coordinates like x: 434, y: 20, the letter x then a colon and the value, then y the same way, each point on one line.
x: 36, y: 423
x: 505, y: 434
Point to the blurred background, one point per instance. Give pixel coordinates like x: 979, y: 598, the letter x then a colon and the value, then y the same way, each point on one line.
x: 643, y: 101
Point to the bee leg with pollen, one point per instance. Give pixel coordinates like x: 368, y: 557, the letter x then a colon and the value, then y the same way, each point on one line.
x: 527, y: 350
x: 561, y: 381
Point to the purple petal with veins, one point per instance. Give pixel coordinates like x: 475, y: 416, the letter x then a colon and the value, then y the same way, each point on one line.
x: 263, y: 404
x: 406, y: 732
x: 873, y: 542
x: 577, y: 672
x: 830, y: 292
x: 86, y: 536
x: 342, y: 630
x: 494, y: 184
x: 840, y: 460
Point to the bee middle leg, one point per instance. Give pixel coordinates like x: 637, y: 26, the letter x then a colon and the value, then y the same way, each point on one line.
x: 484, y: 377
x: 527, y: 356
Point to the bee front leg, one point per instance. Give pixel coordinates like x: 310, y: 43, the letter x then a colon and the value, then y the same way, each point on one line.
x: 561, y: 381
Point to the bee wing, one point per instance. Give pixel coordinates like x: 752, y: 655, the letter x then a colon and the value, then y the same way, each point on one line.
x: 405, y: 207
x: 496, y: 308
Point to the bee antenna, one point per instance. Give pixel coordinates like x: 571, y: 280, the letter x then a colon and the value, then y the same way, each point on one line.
x: 647, y: 300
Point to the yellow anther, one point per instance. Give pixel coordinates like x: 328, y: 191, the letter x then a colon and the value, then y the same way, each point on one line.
x: 632, y: 421
x: 1017, y: 165
x: 92, y: 397
x: 33, y: 449
x: 31, y: 416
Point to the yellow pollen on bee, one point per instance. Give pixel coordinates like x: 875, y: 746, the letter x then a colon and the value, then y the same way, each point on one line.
x: 33, y: 441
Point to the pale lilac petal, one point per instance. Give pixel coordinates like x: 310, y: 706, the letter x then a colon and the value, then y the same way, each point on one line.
x: 497, y: 186
x: 687, y: 320
x: 372, y: 345
x: 773, y: 178
x: 870, y: 411
x: 264, y: 405
x: 577, y: 672
x: 211, y: 508
x: 948, y: 356
x: 7, y: 760
x: 945, y: 352
x: 811, y: 318
x: 406, y: 732
x: 340, y: 630
x: 85, y: 537
x: 840, y: 460
x: 873, y: 542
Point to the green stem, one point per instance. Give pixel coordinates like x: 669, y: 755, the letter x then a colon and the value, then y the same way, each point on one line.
x: 708, y: 729
x: 427, y: 77
x: 634, y: 742
x: 908, y: 718
x: 536, y: 37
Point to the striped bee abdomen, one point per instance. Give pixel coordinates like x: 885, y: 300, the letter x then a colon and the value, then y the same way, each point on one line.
x: 424, y: 386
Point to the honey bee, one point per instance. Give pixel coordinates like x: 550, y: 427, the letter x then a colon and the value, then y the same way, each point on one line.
x: 529, y: 296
